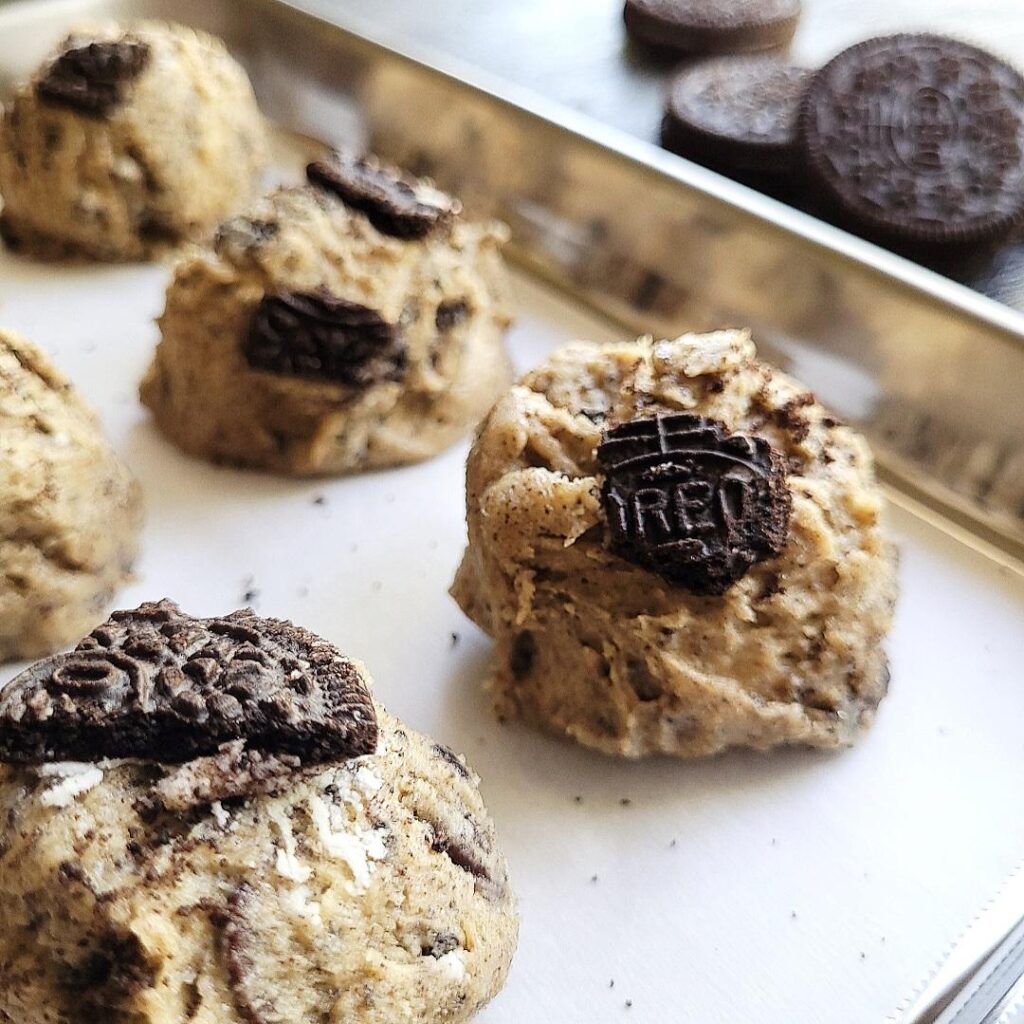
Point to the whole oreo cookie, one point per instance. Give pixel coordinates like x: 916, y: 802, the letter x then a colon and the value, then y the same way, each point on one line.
x: 394, y: 203
x: 713, y: 26
x: 91, y: 78
x: 739, y: 113
x: 692, y: 502
x: 918, y: 138
x: 157, y: 684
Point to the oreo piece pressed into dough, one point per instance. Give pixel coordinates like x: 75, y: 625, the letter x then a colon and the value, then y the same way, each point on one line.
x: 713, y: 26
x: 736, y: 113
x: 918, y: 138
x: 157, y: 684
x: 692, y: 502
x: 395, y: 203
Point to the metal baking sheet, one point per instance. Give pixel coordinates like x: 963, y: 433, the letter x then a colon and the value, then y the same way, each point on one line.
x: 797, y: 887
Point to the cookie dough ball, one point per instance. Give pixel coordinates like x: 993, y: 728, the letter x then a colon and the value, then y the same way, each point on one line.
x: 213, y: 822
x: 337, y: 327
x: 677, y: 550
x: 70, y: 511
x: 126, y: 142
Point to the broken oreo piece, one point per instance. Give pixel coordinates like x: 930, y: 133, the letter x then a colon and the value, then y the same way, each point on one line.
x: 737, y: 113
x: 918, y: 138
x: 159, y: 685
x: 692, y: 502
x: 318, y: 336
x: 394, y: 203
x: 712, y: 26
x: 91, y: 77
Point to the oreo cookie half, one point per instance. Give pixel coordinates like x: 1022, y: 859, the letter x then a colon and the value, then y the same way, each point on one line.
x: 160, y: 685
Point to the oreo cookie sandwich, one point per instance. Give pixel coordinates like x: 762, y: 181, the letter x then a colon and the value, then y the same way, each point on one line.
x: 736, y: 114
x: 212, y: 820
x: 918, y: 140
x: 712, y: 26
x: 677, y: 550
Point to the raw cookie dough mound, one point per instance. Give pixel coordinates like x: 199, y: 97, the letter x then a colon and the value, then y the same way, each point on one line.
x: 677, y: 550
x: 70, y: 512
x: 128, y: 141
x: 351, y: 324
x: 303, y: 857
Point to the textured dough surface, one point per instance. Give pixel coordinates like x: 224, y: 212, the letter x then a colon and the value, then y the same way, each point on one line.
x: 212, y: 403
x: 591, y: 646
x: 182, y: 151
x: 331, y: 901
x: 70, y: 511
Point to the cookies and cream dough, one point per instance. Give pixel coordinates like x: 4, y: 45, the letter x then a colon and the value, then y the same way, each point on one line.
x: 354, y: 322
x: 303, y: 857
x: 127, y: 141
x: 677, y: 550
x: 70, y: 511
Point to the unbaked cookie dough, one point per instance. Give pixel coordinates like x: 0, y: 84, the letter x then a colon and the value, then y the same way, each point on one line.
x: 352, y: 323
x: 677, y: 550
x: 70, y: 511
x: 128, y: 141
x: 315, y: 860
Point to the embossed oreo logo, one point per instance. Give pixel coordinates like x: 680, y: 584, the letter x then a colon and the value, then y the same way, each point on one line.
x: 155, y: 683
x: 919, y: 134
x: 91, y: 78
x: 691, y: 502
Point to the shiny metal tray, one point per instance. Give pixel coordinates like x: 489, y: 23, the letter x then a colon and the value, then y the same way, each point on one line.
x: 932, y: 372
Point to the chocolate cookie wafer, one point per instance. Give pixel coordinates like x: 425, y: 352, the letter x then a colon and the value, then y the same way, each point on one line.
x: 736, y: 113
x: 712, y: 26
x: 918, y: 139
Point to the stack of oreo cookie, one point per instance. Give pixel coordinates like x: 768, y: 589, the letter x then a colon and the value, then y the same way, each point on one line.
x: 912, y: 140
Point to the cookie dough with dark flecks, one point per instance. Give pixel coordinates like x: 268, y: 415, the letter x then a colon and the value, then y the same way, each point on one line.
x: 351, y: 323
x: 70, y: 511
x: 128, y: 141
x: 250, y: 879
x: 677, y: 550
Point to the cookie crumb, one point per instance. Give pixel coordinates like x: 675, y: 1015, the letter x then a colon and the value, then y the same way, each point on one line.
x: 250, y: 592
x: 625, y: 801
x: 454, y: 641
x: 320, y: 500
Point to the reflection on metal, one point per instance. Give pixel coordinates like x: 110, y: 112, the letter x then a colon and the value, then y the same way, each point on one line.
x: 933, y: 373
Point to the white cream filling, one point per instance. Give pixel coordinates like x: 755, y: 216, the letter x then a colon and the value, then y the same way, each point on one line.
x: 452, y: 966
x: 356, y: 849
x: 73, y: 778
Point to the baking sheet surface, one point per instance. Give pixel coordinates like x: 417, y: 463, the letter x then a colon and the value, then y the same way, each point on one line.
x: 793, y: 888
